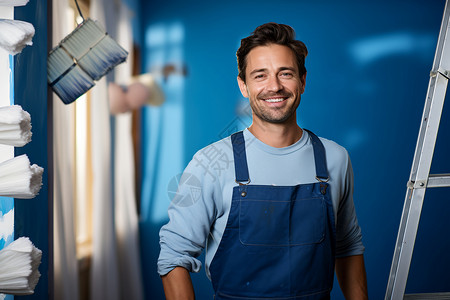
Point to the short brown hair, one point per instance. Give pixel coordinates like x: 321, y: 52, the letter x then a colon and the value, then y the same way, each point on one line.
x: 271, y: 33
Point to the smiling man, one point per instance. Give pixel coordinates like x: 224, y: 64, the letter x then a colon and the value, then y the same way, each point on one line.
x: 275, y: 210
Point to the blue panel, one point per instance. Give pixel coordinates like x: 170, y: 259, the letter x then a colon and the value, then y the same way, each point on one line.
x: 11, y: 80
x: 368, y: 70
x: 7, y: 204
x: 6, y: 221
x: 32, y: 217
x: 6, y: 225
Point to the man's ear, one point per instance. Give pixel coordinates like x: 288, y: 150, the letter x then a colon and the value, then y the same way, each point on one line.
x: 242, y: 87
x: 303, y: 81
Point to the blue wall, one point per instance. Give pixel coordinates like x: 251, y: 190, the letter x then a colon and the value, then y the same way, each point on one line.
x: 32, y: 218
x: 368, y: 70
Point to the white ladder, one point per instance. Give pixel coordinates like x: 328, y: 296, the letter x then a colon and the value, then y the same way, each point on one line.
x: 420, y: 178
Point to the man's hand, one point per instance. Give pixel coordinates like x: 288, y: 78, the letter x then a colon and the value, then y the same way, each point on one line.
x: 351, y: 274
x: 178, y: 285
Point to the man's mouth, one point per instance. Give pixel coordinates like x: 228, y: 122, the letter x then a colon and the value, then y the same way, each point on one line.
x: 274, y: 100
x: 275, y: 97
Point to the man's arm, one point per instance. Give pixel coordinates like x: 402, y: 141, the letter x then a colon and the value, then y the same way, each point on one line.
x: 178, y: 285
x: 351, y: 274
x: 184, y: 237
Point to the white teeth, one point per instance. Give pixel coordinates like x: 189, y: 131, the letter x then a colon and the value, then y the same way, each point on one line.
x: 274, y: 100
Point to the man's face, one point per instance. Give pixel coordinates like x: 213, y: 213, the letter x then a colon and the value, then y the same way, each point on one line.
x: 273, y: 84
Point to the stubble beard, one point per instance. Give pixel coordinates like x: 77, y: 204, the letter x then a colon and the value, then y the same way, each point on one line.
x: 272, y: 115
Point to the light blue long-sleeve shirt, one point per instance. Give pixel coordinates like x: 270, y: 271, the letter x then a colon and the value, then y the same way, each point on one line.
x: 199, y: 211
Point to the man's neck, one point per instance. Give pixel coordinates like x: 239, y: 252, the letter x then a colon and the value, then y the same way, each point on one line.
x: 276, y: 135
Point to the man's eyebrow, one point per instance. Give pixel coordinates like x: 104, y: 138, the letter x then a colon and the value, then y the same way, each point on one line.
x: 257, y: 71
x: 287, y: 68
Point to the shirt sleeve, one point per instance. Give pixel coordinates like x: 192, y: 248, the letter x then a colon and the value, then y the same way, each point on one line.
x: 348, y: 231
x: 191, y: 214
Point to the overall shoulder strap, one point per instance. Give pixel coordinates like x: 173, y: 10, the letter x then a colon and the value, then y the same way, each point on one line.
x: 240, y: 158
x: 319, y: 157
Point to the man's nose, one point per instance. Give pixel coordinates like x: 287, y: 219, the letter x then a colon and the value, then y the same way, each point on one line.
x: 274, y: 84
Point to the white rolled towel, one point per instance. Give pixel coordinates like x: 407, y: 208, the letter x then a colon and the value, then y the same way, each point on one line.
x: 19, y: 179
x: 15, y: 126
x: 19, y: 263
x: 15, y: 35
x: 13, y: 2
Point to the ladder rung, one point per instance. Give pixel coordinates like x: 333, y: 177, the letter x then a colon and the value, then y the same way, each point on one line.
x: 428, y: 296
x: 439, y: 180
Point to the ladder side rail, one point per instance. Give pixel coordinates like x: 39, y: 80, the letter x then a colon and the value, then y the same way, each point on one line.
x: 404, y: 245
x: 441, y: 63
x: 420, y: 169
x: 423, y: 128
x: 442, y: 58
x: 428, y: 130
x: 416, y: 189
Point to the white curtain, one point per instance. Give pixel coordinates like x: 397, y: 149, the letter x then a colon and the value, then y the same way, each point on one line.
x: 65, y: 258
x: 126, y: 217
x: 104, y: 266
x: 115, y: 270
x: 124, y: 179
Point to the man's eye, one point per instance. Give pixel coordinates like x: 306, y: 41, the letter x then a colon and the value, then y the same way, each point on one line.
x: 259, y: 76
x: 286, y: 74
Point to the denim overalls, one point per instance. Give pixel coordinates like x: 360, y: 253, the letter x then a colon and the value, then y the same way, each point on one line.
x: 279, y: 241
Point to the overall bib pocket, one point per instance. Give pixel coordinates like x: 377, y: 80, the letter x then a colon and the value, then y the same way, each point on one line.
x: 282, y: 223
